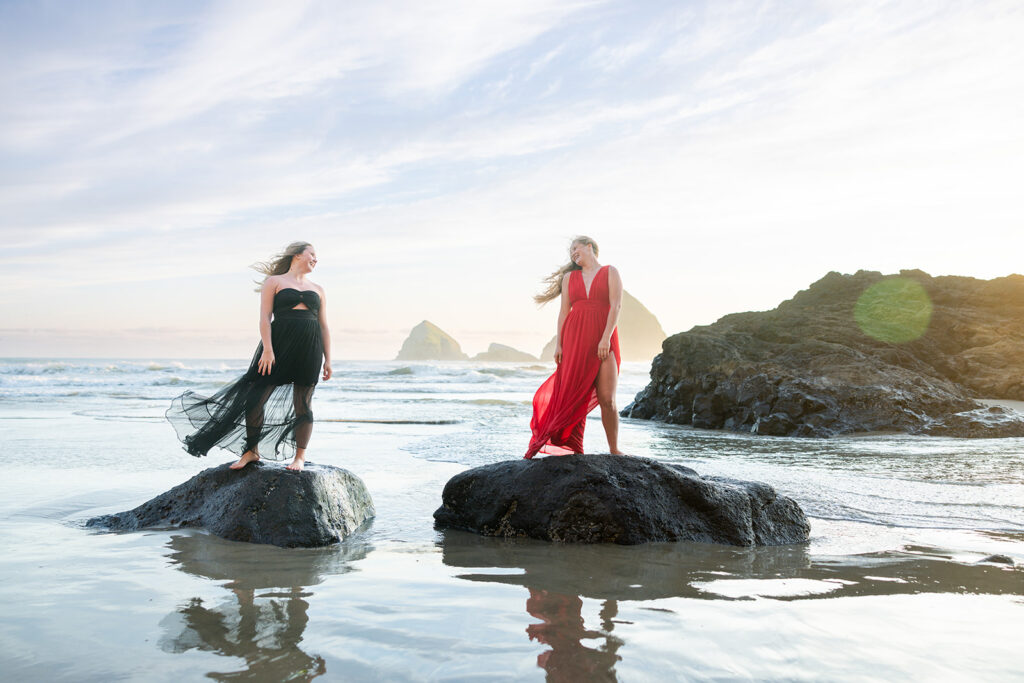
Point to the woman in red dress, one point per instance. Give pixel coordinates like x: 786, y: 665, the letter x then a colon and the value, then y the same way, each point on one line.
x: 586, y: 353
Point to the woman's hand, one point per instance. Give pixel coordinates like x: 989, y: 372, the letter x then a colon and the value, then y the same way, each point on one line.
x: 558, y: 354
x: 327, y: 371
x: 266, y: 362
x: 604, y: 347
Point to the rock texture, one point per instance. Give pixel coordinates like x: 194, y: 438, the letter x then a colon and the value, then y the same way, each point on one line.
x: 259, y: 504
x: 427, y: 341
x: 616, y: 499
x: 504, y: 354
x: 640, y: 333
x: 852, y: 353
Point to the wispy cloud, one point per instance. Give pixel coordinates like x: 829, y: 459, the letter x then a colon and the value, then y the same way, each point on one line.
x: 177, y: 143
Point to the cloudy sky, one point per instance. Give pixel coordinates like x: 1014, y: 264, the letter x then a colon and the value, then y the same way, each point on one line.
x: 440, y: 155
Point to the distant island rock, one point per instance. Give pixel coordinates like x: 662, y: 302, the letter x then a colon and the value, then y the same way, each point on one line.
x: 427, y: 341
x: 261, y: 503
x: 640, y: 333
x: 505, y: 354
x: 616, y: 499
x: 852, y: 353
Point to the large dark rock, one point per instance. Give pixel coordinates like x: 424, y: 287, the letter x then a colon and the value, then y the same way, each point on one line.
x: 616, y: 499
x: 261, y: 503
x: 853, y: 353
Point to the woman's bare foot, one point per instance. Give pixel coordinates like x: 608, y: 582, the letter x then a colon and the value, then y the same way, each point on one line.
x: 617, y: 452
x: 246, y: 458
x: 297, y: 464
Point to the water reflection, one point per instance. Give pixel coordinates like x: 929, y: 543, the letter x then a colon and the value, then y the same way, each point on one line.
x: 561, y: 627
x: 263, y: 620
x: 558, y: 578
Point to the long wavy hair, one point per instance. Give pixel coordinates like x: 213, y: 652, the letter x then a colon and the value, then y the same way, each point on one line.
x: 553, y: 282
x: 279, y: 263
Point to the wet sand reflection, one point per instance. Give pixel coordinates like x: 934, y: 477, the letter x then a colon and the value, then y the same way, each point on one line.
x: 558, y: 577
x: 263, y: 621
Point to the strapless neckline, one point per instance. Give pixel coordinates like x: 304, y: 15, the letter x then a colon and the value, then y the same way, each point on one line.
x: 300, y: 291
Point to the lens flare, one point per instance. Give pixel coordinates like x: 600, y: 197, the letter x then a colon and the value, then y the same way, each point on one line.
x: 896, y: 310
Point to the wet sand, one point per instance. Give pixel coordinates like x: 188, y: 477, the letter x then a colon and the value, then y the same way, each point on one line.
x: 402, y: 601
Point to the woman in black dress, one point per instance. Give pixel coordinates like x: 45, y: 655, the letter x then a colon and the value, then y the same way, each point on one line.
x: 268, y: 411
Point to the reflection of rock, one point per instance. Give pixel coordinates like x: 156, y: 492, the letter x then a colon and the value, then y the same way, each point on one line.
x: 427, y: 341
x: 252, y: 566
x: 852, y: 353
x: 640, y: 333
x: 260, y: 504
x: 664, y: 570
x: 616, y: 499
x: 504, y: 354
x: 614, y: 572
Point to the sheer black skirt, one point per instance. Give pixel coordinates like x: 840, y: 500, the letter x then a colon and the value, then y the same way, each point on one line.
x: 271, y: 414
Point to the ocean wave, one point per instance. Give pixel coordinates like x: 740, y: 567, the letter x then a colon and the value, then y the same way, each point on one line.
x: 389, y: 422
x: 493, y: 402
x: 168, y: 382
x: 500, y: 372
x: 402, y: 371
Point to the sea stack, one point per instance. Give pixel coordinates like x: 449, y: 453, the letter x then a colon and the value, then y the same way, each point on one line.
x: 504, y: 354
x: 427, y: 341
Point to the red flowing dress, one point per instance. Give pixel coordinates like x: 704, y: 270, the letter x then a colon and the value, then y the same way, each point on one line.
x: 561, y: 404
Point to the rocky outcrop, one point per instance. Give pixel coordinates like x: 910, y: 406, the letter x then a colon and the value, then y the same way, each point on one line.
x: 261, y: 503
x: 852, y: 353
x: 616, y: 499
x: 504, y: 354
x: 427, y: 341
x: 640, y: 333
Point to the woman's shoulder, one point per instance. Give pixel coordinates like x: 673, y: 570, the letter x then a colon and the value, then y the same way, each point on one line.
x: 272, y: 282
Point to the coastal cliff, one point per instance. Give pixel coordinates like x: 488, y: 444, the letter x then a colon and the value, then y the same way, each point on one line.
x: 852, y: 353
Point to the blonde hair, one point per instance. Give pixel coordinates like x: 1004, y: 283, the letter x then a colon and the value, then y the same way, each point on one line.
x: 554, y: 281
x: 279, y: 263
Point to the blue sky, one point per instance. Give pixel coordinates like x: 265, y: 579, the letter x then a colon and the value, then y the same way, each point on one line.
x: 441, y: 155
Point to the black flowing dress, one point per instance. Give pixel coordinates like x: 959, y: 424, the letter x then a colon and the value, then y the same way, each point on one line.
x: 271, y: 414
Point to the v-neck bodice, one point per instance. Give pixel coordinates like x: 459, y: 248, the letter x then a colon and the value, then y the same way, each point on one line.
x: 598, y: 287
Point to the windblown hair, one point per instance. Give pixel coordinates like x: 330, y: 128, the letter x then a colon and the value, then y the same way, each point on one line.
x: 554, y: 281
x: 280, y: 263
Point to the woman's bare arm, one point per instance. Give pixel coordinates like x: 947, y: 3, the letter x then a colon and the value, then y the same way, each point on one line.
x: 563, y: 313
x: 615, y: 307
x: 325, y: 335
x: 266, y: 362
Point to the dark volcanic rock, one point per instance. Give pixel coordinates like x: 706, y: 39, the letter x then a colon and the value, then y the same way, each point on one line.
x: 853, y: 353
x: 616, y: 499
x: 259, y: 504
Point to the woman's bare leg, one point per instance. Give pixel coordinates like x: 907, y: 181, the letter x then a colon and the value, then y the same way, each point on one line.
x: 302, y: 398
x: 607, y: 382
x: 247, y: 457
x: 299, y: 461
x: 253, y: 427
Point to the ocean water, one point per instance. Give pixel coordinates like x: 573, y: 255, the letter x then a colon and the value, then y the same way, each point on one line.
x: 893, y: 585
